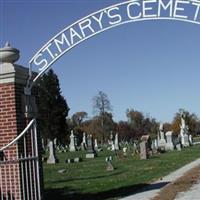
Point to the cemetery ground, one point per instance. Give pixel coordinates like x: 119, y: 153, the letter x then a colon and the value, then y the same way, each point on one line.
x: 90, y: 180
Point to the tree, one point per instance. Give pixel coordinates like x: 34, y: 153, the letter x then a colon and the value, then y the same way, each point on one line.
x: 167, y: 127
x: 197, y: 129
x: 140, y: 124
x: 135, y: 118
x: 124, y: 131
x: 101, y: 103
x: 78, y: 117
x: 76, y: 124
x: 52, y: 107
x: 190, y: 118
x: 101, y: 106
x: 93, y: 126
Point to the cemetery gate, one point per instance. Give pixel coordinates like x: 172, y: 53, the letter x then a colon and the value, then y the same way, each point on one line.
x: 20, y: 166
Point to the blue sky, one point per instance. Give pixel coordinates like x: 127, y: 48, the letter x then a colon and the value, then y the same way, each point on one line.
x: 151, y: 66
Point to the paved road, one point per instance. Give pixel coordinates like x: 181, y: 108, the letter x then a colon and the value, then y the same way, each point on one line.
x: 192, y: 194
x: 150, y: 191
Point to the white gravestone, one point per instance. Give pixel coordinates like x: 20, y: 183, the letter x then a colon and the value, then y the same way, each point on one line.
x: 125, y: 151
x: 84, y: 142
x: 111, y: 139
x: 109, y: 164
x: 184, y: 132
x: 156, y: 143
x: 72, y: 147
x: 84, y: 139
x: 55, y: 142
x: 116, y: 142
x: 169, y: 145
x: 111, y: 143
x: 154, y: 146
x: 190, y: 139
x: 52, y: 157
x: 43, y: 146
x: 95, y: 144
x: 178, y: 147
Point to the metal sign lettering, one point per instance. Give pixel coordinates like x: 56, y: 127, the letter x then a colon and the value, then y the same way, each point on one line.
x: 107, y: 18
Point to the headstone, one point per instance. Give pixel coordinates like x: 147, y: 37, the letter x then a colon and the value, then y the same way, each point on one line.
x: 135, y: 150
x: 111, y: 143
x: 186, y: 140
x: 169, y: 145
x: 134, y: 145
x: 52, y: 157
x: 75, y: 142
x: 184, y: 132
x: 190, y: 140
x: 178, y: 147
x: 76, y: 160
x: 143, y: 150
x: 147, y: 140
x: 72, y: 147
x: 84, y: 142
x: 124, y: 151
x: 69, y: 160
x: 111, y: 136
x: 55, y: 142
x: 116, y: 142
x: 109, y: 164
x: 153, y: 146
x: 156, y: 143
x: 43, y: 147
x: 90, y: 149
x: 84, y: 138
x: 158, y: 135
x: 113, y: 147
x: 95, y: 144
x: 161, y: 141
x: 61, y: 171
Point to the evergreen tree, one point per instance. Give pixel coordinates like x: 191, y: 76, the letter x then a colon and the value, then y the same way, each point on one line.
x: 52, y: 108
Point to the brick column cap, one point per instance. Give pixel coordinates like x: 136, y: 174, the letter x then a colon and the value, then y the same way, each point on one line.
x: 12, y: 73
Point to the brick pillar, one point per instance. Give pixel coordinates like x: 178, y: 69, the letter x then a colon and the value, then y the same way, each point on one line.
x: 12, y: 120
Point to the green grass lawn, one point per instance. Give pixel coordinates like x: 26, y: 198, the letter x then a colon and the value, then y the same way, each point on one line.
x: 90, y: 180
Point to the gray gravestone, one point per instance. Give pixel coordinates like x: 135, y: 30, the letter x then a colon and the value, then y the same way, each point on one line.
x: 178, y: 147
x: 90, y: 149
x: 143, y: 150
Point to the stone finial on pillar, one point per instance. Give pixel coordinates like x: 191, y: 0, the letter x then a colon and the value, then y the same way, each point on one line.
x: 9, y: 54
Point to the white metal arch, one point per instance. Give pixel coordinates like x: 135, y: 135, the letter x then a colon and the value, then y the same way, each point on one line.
x: 129, y: 3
